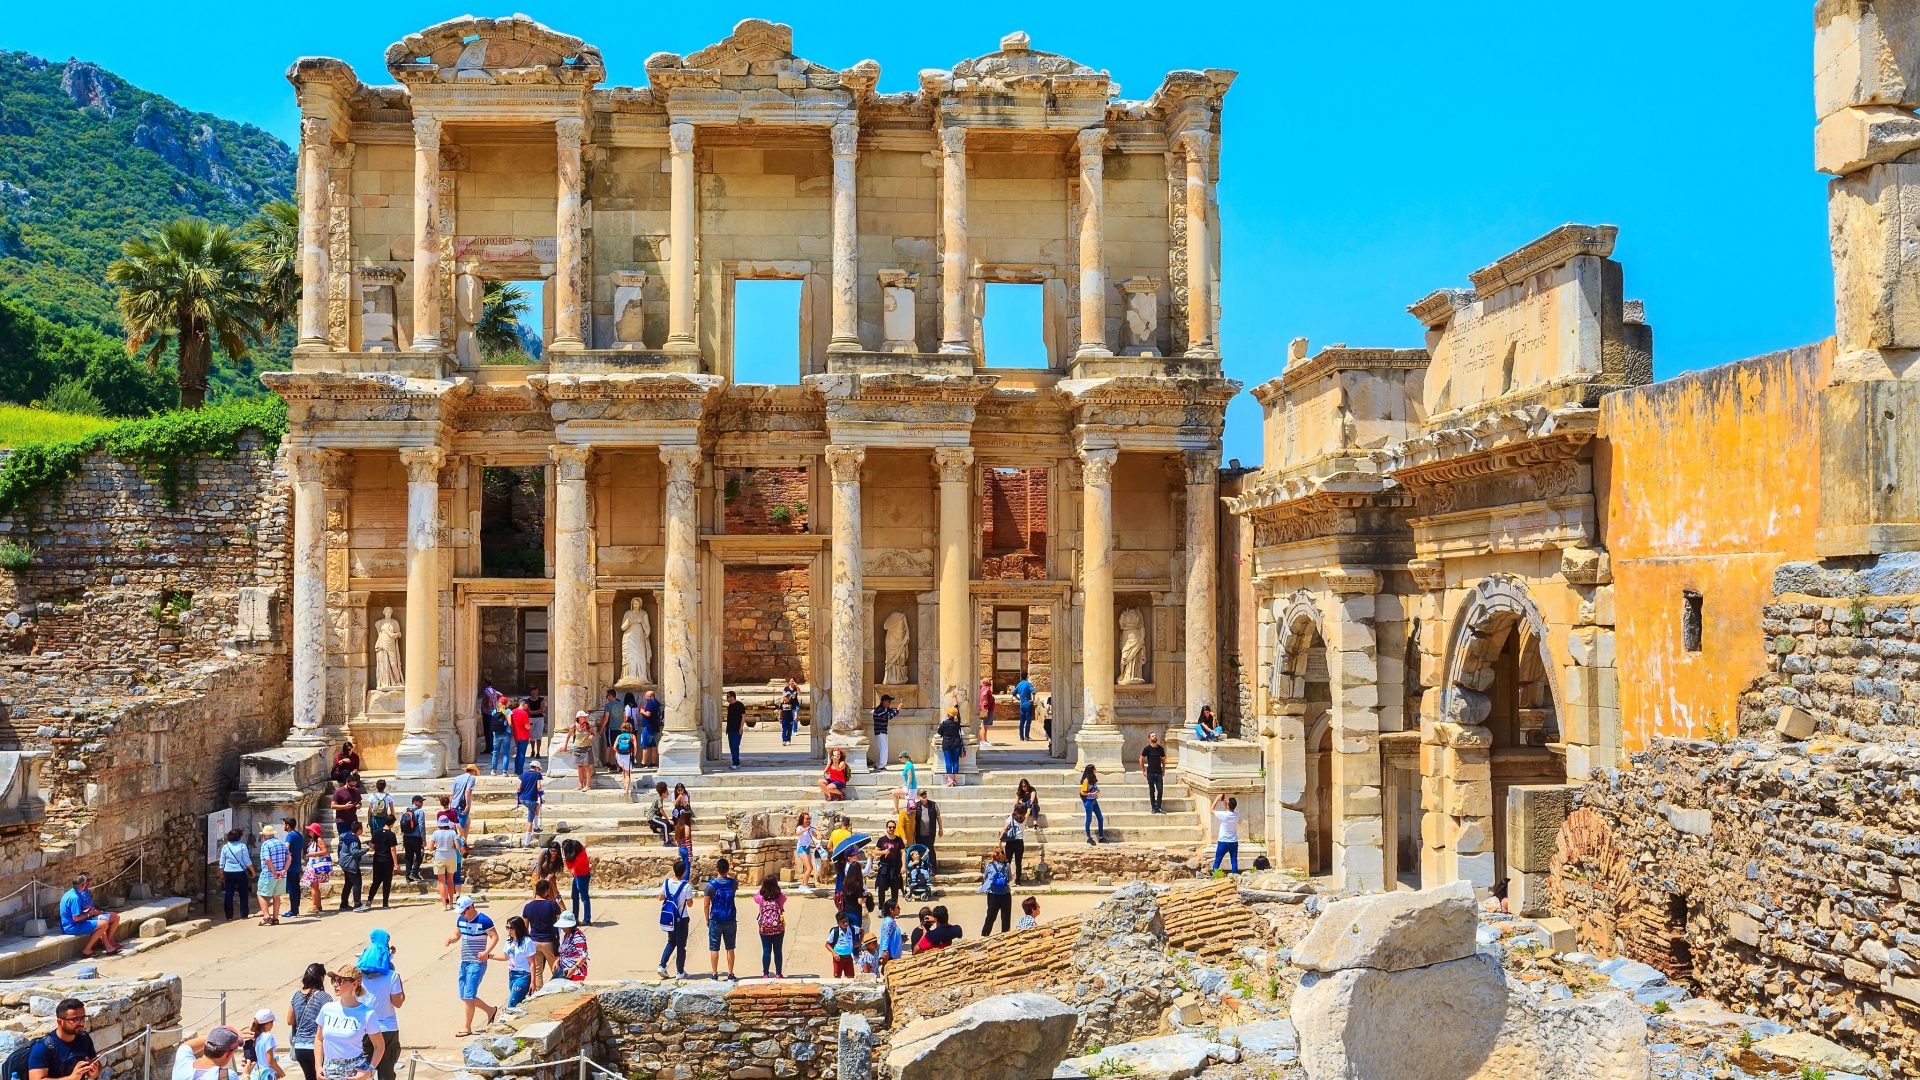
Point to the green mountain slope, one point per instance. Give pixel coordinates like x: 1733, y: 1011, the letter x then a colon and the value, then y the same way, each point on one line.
x: 88, y: 161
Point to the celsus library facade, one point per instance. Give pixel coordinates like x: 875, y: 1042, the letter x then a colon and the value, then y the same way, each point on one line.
x: 904, y: 513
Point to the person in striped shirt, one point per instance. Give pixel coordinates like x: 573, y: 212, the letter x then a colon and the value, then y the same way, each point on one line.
x: 275, y: 857
x: 477, y: 937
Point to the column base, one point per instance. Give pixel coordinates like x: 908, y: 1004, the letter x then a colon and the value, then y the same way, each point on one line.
x: 426, y: 344
x: 1092, y: 352
x: 420, y: 757
x: 1202, y: 352
x: 680, y: 346
x: 955, y: 348
x: 844, y: 345
x: 855, y: 746
x: 1100, y: 748
x: 324, y: 735
x: 681, y: 754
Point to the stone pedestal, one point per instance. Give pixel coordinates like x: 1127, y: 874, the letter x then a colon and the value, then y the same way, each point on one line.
x: 897, y: 315
x: 1224, y: 767
x: 681, y: 754
x: 1102, y: 748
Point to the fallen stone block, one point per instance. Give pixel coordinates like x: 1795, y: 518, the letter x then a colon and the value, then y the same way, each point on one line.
x: 1810, y: 1049
x: 153, y: 928
x: 1795, y: 724
x: 1631, y: 975
x: 1169, y: 1057
x: 1395, y: 931
x: 1008, y: 1037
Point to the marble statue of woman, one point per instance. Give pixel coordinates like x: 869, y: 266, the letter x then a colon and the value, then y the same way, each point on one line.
x: 388, y: 674
x: 896, y: 646
x: 1133, y: 647
x: 636, y: 644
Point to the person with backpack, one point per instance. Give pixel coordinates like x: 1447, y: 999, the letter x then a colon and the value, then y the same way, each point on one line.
x: 772, y: 923
x: 351, y: 850
x: 952, y: 743
x: 303, y: 1017
x: 842, y: 940
x: 653, y: 718
x: 996, y: 882
x: 382, y: 844
x: 623, y: 757
x: 65, y: 1053
x: 379, y: 807
x: 500, y: 732
x: 675, y: 914
x: 723, y: 917
x: 413, y: 837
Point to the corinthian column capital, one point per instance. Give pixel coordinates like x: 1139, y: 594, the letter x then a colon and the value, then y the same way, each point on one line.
x: 423, y: 463
x: 569, y: 131
x: 844, y: 462
x: 951, y: 463
x: 570, y: 460
x: 681, y: 461
x: 953, y: 141
x: 1203, y: 467
x: 1196, y: 142
x: 1096, y: 467
x: 426, y: 132
x: 1093, y: 142
x: 846, y: 140
x: 680, y: 138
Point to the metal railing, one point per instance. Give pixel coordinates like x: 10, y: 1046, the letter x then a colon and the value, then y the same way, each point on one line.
x: 585, y: 1066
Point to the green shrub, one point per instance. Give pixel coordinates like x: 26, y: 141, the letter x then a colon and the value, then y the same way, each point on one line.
x: 15, y: 556
x: 780, y: 515
x: 72, y: 396
x: 158, y: 444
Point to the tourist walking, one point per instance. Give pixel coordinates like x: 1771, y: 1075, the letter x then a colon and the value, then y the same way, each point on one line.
x: 518, y: 953
x: 789, y: 711
x: 928, y: 828
x: 572, y: 964
x: 1029, y: 914
x: 986, y: 708
x: 653, y: 718
x: 384, y: 993
x: 909, y: 781
x: 475, y: 932
x: 272, y: 884
x: 803, y: 845
x: 520, y: 726
x: 580, y: 740
x: 531, y: 796
x: 612, y: 715
x: 718, y: 898
x: 464, y: 782
x: 736, y: 725
x: 952, y: 744
x: 543, y: 914
x: 413, y: 837
x: 499, y: 723
x: 889, y: 864
x: 447, y: 849
x: 537, y: 722
x: 1023, y: 695
x: 257, y: 1046
x: 1226, y: 816
x: 236, y: 873
x: 891, y: 943
x: 303, y: 1017
x: 347, y: 1048
x: 580, y: 879
x: 1153, y: 766
x: 1013, y: 840
x: 833, y: 779
x: 1090, y: 804
x: 842, y: 940
x: 351, y: 850
x: 675, y: 916
x: 383, y: 844
x: 883, y: 715
x: 296, y: 841
x: 1206, y: 728
x: 623, y: 758
x: 772, y: 923
x: 996, y: 881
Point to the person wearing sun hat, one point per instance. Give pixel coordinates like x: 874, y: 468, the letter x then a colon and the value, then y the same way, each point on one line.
x: 275, y: 857
x: 384, y: 993
x: 572, y: 963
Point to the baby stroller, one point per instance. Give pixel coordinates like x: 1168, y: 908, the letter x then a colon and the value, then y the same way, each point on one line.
x: 919, y: 874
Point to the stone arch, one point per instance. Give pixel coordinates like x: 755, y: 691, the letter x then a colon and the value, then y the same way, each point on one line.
x: 1300, y: 626
x: 1498, y: 606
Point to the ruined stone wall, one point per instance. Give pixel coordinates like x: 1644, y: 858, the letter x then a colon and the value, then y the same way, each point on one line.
x: 1778, y: 877
x: 769, y: 627
x: 1013, y: 516
x: 766, y: 500
x: 130, y: 661
x: 1841, y: 647
x: 785, y: 1029
x: 119, y: 1008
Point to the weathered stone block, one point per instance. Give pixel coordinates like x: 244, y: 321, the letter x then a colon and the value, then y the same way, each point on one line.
x: 1865, y: 52
x: 1854, y: 138
x: 1394, y: 931
x: 1795, y: 723
x: 1873, y: 226
x: 1535, y: 813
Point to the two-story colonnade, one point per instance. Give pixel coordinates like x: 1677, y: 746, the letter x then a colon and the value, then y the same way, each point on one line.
x: 621, y: 513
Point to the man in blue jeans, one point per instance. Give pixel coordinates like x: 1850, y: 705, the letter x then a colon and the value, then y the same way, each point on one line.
x: 736, y: 725
x: 1226, y: 812
x: 1023, y: 693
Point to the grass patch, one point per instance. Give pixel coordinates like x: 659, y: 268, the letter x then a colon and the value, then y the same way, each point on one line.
x: 23, y: 426
x: 158, y: 444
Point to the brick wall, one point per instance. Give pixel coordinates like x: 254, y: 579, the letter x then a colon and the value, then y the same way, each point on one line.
x: 1781, y: 878
x: 1013, y: 515
x: 769, y: 629
x: 770, y: 499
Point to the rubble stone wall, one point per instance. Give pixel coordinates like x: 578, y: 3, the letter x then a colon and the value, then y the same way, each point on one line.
x: 769, y: 630
x: 1777, y: 877
x: 119, y: 1008
x: 785, y: 1029
x: 1842, y: 646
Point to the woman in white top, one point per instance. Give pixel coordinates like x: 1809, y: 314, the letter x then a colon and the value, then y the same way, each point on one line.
x: 803, y: 846
x: 517, y: 950
x: 344, y: 1023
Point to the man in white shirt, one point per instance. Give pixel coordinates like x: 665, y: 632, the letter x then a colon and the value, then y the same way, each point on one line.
x: 1226, y: 813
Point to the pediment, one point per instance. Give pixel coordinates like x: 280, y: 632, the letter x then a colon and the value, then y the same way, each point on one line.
x: 757, y: 55
x: 511, y: 50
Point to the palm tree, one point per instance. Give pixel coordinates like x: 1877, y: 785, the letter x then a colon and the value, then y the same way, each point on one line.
x: 189, y: 284
x: 501, y: 306
x: 274, y: 239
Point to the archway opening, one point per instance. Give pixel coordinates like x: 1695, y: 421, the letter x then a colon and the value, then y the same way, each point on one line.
x: 1521, y: 721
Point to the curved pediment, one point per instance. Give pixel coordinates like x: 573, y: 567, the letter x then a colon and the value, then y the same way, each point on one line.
x: 511, y: 50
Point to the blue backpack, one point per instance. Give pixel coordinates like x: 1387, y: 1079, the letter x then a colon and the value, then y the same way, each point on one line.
x: 723, y: 890
x: 670, y: 907
x: 998, y: 882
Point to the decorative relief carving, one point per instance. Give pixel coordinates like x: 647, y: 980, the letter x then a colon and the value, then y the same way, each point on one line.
x: 423, y: 464
x: 897, y: 562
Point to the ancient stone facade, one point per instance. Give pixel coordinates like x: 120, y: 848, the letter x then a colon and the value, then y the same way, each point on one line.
x: 500, y: 157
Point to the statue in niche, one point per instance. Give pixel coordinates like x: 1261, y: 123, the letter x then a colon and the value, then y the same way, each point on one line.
x: 388, y: 672
x: 636, y: 644
x: 1133, y: 647
x: 896, y: 649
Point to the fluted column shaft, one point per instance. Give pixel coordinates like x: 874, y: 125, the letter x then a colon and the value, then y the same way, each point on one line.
x: 846, y: 240
x: 572, y: 632
x: 316, y: 134
x: 1203, y: 491
x: 426, y: 233
x: 566, y: 231
x: 682, y: 224
x: 309, y: 594
x: 1093, y: 266
x: 954, y: 331
x: 849, y: 605
x: 1099, y: 740
x: 422, y: 751
x: 953, y: 465
x: 1198, y: 145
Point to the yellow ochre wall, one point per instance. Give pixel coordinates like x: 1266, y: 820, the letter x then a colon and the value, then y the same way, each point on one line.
x: 1712, y: 479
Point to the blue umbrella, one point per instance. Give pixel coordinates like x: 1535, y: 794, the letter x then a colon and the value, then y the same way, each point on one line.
x: 850, y: 844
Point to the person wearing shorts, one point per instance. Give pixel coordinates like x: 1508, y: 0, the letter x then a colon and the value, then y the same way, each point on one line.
x: 623, y: 755
x: 447, y: 846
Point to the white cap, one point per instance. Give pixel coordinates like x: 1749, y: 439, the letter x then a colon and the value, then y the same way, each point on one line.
x: 264, y: 1016
x: 463, y: 903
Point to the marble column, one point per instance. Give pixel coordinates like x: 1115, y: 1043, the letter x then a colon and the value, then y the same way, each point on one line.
x: 1093, y: 266
x: 316, y: 134
x: 682, y: 750
x: 846, y: 240
x: 681, y: 226
x: 1359, y: 834
x: 566, y: 231
x: 310, y: 595
x: 1198, y: 145
x: 849, y: 636
x: 423, y: 750
x: 426, y: 234
x: 571, y: 635
x: 1203, y: 504
x: 953, y: 465
x: 955, y: 335
x: 1099, y: 740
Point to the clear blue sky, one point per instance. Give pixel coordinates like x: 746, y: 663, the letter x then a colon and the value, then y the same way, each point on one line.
x: 1372, y: 152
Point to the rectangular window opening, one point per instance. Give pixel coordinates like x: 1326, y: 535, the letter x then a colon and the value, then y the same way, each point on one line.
x: 1690, y: 616
x: 513, y: 510
x: 1013, y: 325
x: 513, y: 318
x: 766, y: 332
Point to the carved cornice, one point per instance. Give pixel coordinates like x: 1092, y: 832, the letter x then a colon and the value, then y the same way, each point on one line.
x: 514, y: 51
x: 1323, y: 514
x: 328, y: 395
x: 1338, y: 358
x: 1557, y: 247
x: 1437, y: 308
x: 1193, y: 405
x: 1504, y: 441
